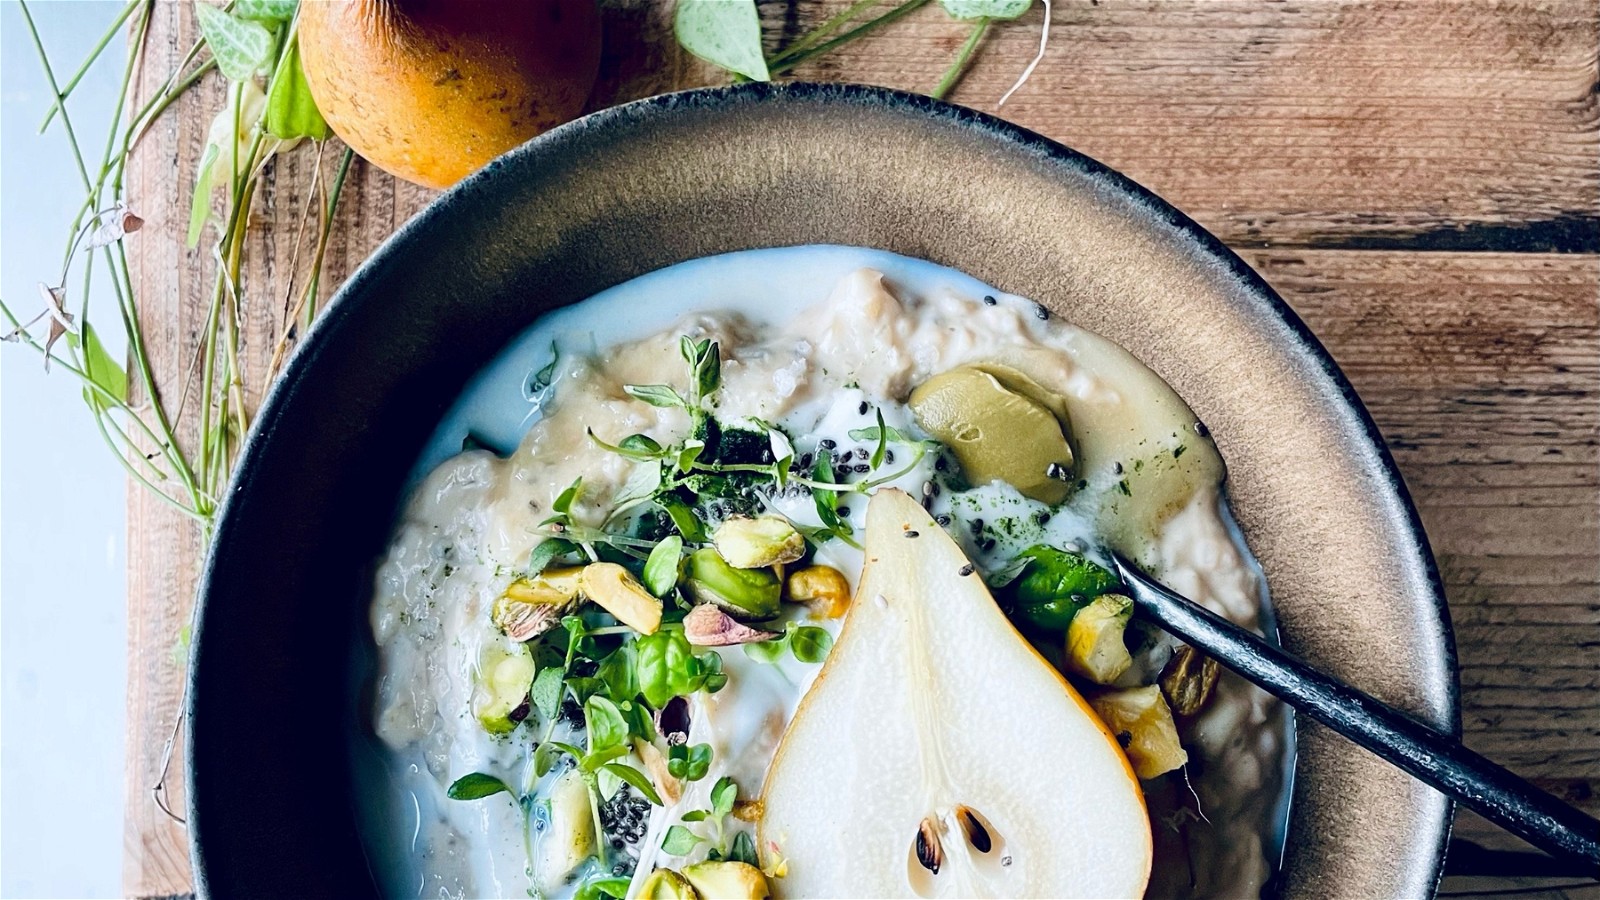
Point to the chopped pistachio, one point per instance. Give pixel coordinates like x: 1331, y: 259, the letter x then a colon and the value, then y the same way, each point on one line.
x: 728, y: 880
x: 757, y: 543
x: 619, y: 593
x: 665, y: 884
x: 822, y: 588
x: 708, y: 626
x: 531, y: 606
x: 750, y: 594
x: 1142, y: 723
x: 670, y: 788
x: 1095, y: 648
x: 1189, y: 680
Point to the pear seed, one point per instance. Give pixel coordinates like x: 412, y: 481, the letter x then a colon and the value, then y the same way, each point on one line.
x: 972, y: 827
x: 929, y: 852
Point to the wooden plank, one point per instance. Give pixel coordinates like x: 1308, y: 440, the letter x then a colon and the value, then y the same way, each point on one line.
x: 1316, y: 136
x: 1483, y: 371
x: 1456, y: 125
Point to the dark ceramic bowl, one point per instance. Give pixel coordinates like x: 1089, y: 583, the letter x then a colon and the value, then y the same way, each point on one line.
x: 653, y: 183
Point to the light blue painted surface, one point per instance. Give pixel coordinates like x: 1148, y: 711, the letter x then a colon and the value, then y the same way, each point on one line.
x: 63, y: 618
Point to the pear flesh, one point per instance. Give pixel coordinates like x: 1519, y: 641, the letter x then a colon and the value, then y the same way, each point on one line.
x: 938, y: 755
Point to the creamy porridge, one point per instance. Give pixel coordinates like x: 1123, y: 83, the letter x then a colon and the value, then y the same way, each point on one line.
x: 638, y: 537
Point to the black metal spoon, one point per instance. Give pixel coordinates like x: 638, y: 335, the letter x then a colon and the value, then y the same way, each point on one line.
x: 1499, y: 796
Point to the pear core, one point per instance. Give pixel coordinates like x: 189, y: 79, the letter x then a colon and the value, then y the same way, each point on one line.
x: 938, y: 755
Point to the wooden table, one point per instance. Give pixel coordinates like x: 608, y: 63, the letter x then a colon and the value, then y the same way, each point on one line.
x: 1420, y: 180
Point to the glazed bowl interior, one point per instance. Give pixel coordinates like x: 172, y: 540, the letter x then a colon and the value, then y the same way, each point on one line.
x: 647, y: 185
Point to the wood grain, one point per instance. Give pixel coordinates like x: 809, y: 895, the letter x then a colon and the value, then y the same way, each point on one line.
x: 1417, y: 178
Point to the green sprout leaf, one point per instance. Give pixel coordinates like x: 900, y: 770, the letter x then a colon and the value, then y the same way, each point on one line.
x: 607, y: 728
x: 476, y: 786
x: 743, y: 850
x: 637, y: 447
x: 636, y: 778
x: 985, y: 9
x: 564, y: 500
x: 291, y: 111
x: 614, y: 886
x: 723, y: 795
x: 546, y: 552
x: 810, y: 644
x: 547, y: 690
x: 544, y: 758
x: 658, y: 395
x: 712, y: 677
x: 689, y: 454
x: 768, y: 652
x: 618, y: 672
x: 708, y: 369
x: 240, y: 47
x: 689, y: 763
x: 683, y: 518
x: 662, y: 567
x: 668, y: 668
x: 680, y: 841
x: 726, y: 33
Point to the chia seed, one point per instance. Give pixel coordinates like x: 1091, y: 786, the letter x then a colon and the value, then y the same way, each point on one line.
x: 1040, y: 311
x: 843, y: 511
x: 1042, y: 517
x: 863, y: 468
x: 888, y: 456
x: 862, y: 409
x: 943, y: 520
x: 989, y: 300
x: 986, y: 544
x: 861, y: 453
x: 977, y: 528
x: 1201, y: 429
x: 625, y: 817
x: 827, y: 444
x: 1117, y: 468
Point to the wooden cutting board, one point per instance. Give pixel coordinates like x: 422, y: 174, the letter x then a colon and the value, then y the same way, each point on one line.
x: 1420, y: 180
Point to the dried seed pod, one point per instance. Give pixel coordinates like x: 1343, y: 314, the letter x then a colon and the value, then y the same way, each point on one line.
x: 930, y: 853
x: 1188, y: 680
x: 976, y: 832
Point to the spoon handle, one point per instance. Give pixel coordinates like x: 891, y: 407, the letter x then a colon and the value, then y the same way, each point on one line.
x: 1433, y: 758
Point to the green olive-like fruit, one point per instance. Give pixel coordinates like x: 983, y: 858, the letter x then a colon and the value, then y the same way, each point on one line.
x: 996, y: 434
x: 747, y: 594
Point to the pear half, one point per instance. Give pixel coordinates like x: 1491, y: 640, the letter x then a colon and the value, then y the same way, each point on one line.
x: 938, y: 755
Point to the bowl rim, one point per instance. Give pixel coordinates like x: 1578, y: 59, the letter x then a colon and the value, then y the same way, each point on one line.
x: 354, y: 291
